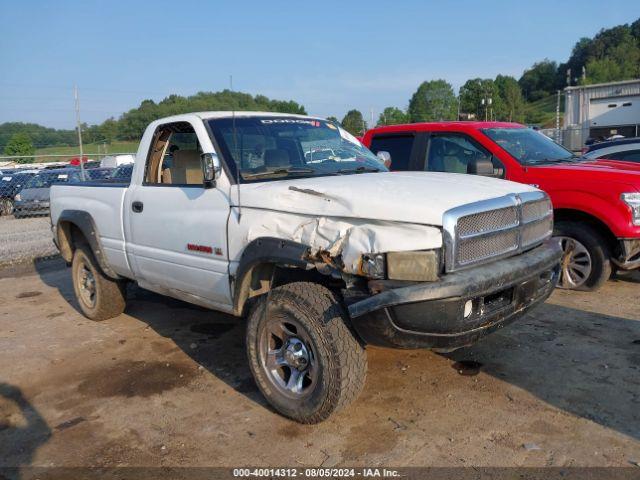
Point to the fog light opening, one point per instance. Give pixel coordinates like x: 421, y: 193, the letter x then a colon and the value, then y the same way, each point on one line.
x: 468, y: 308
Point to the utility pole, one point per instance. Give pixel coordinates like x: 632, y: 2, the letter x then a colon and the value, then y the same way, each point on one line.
x: 486, y: 102
x: 371, y: 124
x: 79, y: 127
x: 558, y: 118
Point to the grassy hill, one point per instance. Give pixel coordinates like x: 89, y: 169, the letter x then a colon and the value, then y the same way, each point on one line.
x: 89, y: 149
x: 543, y: 112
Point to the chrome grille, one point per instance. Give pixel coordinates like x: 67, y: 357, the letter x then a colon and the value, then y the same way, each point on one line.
x: 535, y: 210
x: 488, y: 221
x: 501, y: 227
x: 478, y: 248
x: 537, y: 231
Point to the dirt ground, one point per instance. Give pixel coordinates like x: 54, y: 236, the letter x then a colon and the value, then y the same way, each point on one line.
x: 167, y: 384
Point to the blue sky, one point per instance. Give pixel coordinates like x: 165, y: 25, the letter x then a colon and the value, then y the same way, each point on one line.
x: 328, y: 55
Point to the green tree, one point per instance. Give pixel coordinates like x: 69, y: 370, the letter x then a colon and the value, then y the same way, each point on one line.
x: 622, y: 62
x: 354, y: 123
x: 540, y: 80
x: 392, y: 116
x: 20, y: 144
x: 481, y: 97
x: 333, y: 119
x: 433, y: 101
x: 511, y: 100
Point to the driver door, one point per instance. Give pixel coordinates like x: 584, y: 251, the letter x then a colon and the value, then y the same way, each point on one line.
x: 177, y: 228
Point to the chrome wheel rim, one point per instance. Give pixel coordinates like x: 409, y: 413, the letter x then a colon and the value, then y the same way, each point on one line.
x: 87, y: 286
x: 576, y: 263
x: 287, y: 356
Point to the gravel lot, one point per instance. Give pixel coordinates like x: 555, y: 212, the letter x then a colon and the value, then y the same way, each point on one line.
x: 25, y: 239
x: 167, y: 384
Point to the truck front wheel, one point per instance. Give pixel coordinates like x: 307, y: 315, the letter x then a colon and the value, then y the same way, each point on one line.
x: 586, y: 260
x: 99, y: 296
x: 305, y: 360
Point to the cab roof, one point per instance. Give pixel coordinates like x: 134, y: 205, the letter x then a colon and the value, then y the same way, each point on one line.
x: 457, y: 126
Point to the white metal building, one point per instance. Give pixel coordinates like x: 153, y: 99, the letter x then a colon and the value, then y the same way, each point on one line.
x: 600, y: 111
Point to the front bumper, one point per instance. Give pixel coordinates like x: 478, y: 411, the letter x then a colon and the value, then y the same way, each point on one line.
x: 29, y: 208
x: 432, y: 315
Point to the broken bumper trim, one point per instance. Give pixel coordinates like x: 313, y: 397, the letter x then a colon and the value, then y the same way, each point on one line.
x: 432, y: 315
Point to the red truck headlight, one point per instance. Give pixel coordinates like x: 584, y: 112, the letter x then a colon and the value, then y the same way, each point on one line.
x: 633, y: 201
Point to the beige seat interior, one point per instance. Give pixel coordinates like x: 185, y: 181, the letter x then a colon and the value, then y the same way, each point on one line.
x: 185, y: 170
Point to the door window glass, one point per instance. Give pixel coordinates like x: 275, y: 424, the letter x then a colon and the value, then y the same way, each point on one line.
x: 175, y: 156
x: 457, y: 154
x: 398, y: 146
x: 630, y: 156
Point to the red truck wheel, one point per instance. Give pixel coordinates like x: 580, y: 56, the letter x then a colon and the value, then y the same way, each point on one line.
x: 586, y: 263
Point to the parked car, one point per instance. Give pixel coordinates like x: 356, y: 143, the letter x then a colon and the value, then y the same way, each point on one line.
x: 627, y: 150
x: 10, y: 186
x: 322, y: 258
x: 96, y: 174
x: 596, y: 203
x: 122, y: 173
x: 113, y: 161
x: 33, y: 199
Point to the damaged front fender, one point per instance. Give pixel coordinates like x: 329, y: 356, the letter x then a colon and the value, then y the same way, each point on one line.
x: 342, y: 241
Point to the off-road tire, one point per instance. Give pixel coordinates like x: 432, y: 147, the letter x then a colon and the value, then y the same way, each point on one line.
x: 341, y: 357
x: 110, y: 295
x: 598, y: 249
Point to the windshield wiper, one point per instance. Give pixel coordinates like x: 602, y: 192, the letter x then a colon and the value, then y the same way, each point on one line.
x: 361, y: 169
x: 278, y: 171
x: 539, y: 161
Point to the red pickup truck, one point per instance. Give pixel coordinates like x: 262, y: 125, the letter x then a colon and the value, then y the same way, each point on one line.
x: 596, y: 203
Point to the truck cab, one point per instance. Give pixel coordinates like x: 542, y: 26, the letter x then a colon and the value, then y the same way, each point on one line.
x: 596, y: 202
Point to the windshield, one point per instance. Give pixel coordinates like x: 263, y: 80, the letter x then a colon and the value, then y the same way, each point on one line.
x: 123, y: 173
x: 280, y: 147
x: 98, y: 173
x: 44, y: 180
x: 528, y: 146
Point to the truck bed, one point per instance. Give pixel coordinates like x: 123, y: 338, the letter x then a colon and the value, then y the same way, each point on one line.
x: 103, y: 200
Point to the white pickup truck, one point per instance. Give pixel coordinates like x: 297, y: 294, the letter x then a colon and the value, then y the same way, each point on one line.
x: 323, y: 254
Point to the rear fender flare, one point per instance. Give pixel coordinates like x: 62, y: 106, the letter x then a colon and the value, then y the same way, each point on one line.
x: 84, y: 222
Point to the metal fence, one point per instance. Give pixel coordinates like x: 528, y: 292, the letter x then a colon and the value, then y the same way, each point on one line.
x: 25, y: 230
x: 570, y: 137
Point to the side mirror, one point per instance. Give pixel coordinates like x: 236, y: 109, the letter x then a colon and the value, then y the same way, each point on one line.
x: 482, y: 166
x: 210, y: 169
x: 385, y: 158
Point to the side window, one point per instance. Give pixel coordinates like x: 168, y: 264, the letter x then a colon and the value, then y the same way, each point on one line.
x: 174, y: 156
x: 458, y: 154
x: 630, y: 156
x: 398, y: 146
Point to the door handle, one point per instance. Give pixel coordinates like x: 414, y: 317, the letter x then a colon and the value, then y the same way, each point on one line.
x: 137, y: 207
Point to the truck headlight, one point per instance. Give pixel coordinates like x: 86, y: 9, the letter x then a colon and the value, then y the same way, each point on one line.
x: 423, y: 266
x: 420, y: 266
x: 633, y: 201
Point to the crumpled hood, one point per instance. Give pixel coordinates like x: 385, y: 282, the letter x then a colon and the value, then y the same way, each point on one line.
x: 411, y: 197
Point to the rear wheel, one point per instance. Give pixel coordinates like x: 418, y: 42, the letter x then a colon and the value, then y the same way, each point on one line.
x: 6, y: 206
x: 99, y: 296
x: 586, y: 261
x: 304, y: 358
